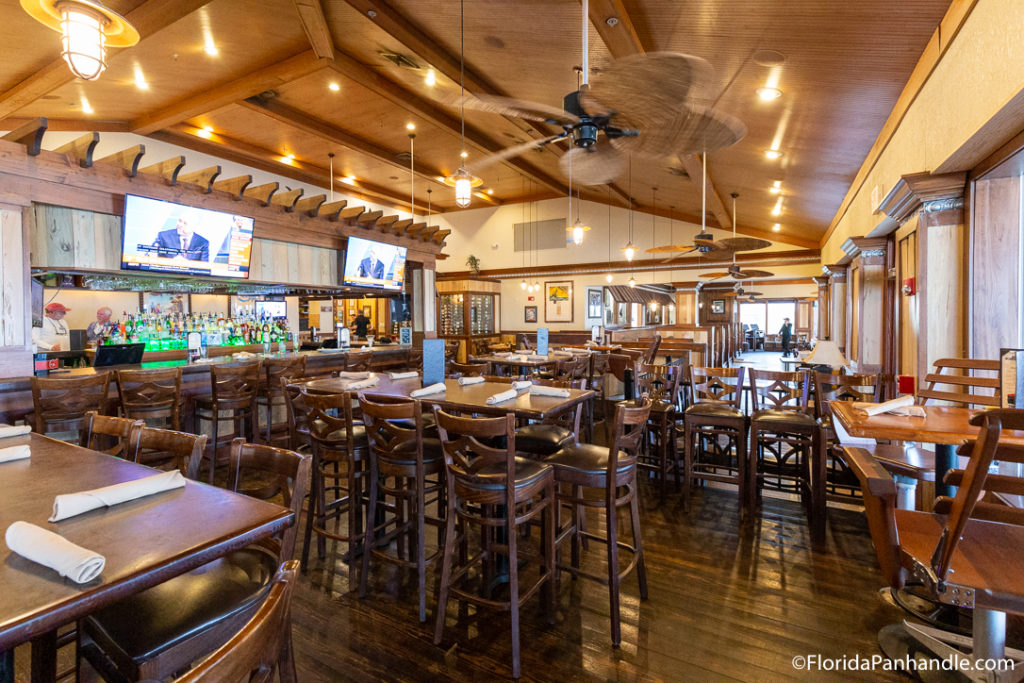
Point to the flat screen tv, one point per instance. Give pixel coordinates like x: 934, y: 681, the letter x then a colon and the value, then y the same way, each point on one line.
x: 165, y: 237
x: 374, y: 264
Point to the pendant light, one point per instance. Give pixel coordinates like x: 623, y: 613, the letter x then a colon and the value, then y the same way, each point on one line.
x: 629, y: 251
x: 462, y: 180
x: 522, y: 285
x: 578, y: 227
x: 608, y: 277
x: 87, y: 28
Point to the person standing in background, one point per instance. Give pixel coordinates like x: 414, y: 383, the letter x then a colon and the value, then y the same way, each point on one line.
x: 53, y: 335
x: 361, y: 324
x: 786, y: 333
x: 98, y: 329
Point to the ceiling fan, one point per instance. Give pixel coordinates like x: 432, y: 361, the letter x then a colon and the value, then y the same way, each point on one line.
x: 651, y: 104
x: 742, y: 295
x: 736, y: 273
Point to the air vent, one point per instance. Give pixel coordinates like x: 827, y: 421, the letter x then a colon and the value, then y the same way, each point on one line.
x: 403, y: 158
x: 398, y: 59
x: 679, y: 171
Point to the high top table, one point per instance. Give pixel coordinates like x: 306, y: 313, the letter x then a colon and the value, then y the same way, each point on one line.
x: 145, y: 541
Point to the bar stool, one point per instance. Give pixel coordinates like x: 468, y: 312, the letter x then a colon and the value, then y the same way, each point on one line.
x: 339, y: 448
x: 151, y: 395
x: 296, y: 410
x: 545, y: 437
x: 716, y: 413
x: 271, y: 393
x: 414, y: 360
x: 660, y: 384
x: 477, y: 369
x: 358, y: 361
x: 60, y: 403
x: 101, y: 430
x: 233, y: 398
x: 494, y: 489
x: 612, y: 469
x: 404, y: 455
x: 161, y: 447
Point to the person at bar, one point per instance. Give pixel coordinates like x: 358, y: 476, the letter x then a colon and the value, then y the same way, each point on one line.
x: 53, y: 335
x: 97, y: 329
x: 360, y: 324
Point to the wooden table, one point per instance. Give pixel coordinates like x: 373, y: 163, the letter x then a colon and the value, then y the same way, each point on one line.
x: 145, y: 541
x: 469, y: 398
x: 524, y: 364
x: 944, y: 426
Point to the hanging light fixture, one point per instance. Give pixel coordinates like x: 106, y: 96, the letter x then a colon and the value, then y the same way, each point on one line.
x: 632, y: 281
x: 629, y: 251
x: 462, y: 180
x: 578, y: 227
x: 608, y: 277
x: 522, y: 284
x: 87, y: 29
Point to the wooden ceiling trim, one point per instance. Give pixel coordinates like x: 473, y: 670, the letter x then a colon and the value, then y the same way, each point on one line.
x: 234, y: 186
x: 147, y: 18
x: 29, y: 134
x: 69, y: 125
x: 208, y: 99
x: 128, y: 159
x: 311, y: 14
x: 729, y: 284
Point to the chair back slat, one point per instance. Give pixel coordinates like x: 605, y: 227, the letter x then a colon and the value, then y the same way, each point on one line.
x: 100, y: 430
x: 630, y: 421
x: 62, y: 402
x: 773, y: 390
x: 387, y: 427
x: 470, y: 453
x: 658, y: 382
x: 829, y: 387
x: 151, y: 394
x: 956, y: 380
x: 235, y: 385
x: 359, y: 361
x: 478, y: 369
x: 708, y: 384
x: 276, y: 369
x: 331, y: 423
x: 569, y: 419
x: 296, y: 409
x: 652, y: 350
x: 149, y: 445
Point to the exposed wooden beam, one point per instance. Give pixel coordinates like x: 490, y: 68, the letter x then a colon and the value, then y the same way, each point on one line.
x: 261, y: 193
x: 620, y: 39
x: 331, y: 210
x: 29, y: 134
x: 148, y: 18
x: 208, y: 99
x: 311, y: 14
x: 286, y: 199
x: 234, y: 186
x: 368, y: 219
x: 81, y: 148
x: 69, y: 125
x: 203, y: 178
x: 310, y: 205
x: 167, y: 169
x: 128, y: 159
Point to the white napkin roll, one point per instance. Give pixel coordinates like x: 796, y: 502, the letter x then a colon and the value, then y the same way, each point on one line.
x: 502, y: 397
x: 363, y: 384
x: 534, y: 356
x: 517, y: 358
x: 463, y: 381
x: 15, y: 453
x: 71, y: 504
x: 347, y: 374
x: 8, y: 431
x: 561, y: 353
x: 502, y: 354
x: 403, y: 375
x: 243, y: 355
x: 538, y: 390
x: 521, y: 384
x: 438, y: 388
x: 54, y: 551
x: 904, y: 405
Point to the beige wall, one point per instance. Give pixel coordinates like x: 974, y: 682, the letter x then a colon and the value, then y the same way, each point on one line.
x: 83, y: 304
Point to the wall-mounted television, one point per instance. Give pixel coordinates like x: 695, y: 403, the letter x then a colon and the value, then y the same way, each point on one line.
x: 271, y: 309
x: 374, y: 264
x: 165, y: 237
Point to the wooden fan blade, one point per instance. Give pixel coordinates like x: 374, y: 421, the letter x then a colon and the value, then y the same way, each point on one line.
x: 752, y: 294
x: 671, y: 248
x: 745, y: 243
x: 692, y: 128
x: 712, y: 244
x: 719, y: 254
x: 595, y: 165
x: 510, y: 152
x: 714, y: 276
x: 679, y: 255
x: 747, y: 274
x: 507, y: 106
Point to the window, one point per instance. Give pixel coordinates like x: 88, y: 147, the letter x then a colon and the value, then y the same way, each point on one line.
x: 753, y: 314
x: 777, y: 310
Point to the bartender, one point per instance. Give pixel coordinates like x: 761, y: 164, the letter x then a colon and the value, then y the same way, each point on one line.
x: 53, y: 335
x: 360, y: 324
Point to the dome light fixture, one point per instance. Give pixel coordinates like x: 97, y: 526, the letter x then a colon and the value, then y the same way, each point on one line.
x: 87, y: 29
x: 629, y: 251
x: 769, y: 94
x: 632, y: 281
x: 608, y: 278
x: 463, y: 181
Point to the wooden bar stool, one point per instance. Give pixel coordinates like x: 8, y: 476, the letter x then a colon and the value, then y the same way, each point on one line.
x: 162, y: 447
x: 271, y: 393
x: 660, y: 384
x: 358, y: 361
x: 613, y: 470
x: 59, y: 404
x: 101, y: 431
x: 401, y: 454
x: 233, y: 398
x: 714, y: 414
x: 490, y: 487
x: 545, y: 437
x: 296, y: 408
x: 476, y: 369
x: 151, y: 395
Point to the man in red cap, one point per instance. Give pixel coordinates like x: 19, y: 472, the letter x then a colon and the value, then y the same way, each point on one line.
x: 53, y: 335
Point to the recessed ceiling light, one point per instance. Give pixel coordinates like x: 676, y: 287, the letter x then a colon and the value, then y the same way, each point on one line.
x: 430, y: 78
x: 86, y: 107
x: 777, y: 227
x: 490, y: 190
x: 777, y: 209
x: 464, y: 154
x: 333, y: 87
x: 772, y: 154
x: 769, y: 94
x: 206, y: 132
x: 776, y: 187
x: 349, y: 180
x: 288, y: 158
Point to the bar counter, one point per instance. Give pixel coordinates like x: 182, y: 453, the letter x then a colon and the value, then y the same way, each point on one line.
x: 16, y: 392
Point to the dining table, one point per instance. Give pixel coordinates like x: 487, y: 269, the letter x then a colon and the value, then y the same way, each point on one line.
x: 944, y: 426
x: 145, y: 541
x: 523, y: 362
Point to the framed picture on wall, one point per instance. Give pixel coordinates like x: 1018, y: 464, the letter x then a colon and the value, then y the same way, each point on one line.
x: 718, y: 305
x: 558, y: 301
x: 165, y: 304
x: 530, y: 314
x: 593, y: 302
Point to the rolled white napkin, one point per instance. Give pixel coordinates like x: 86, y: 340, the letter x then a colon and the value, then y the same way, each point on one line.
x: 515, y: 357
x: 348, y: 374
x: 534, y: 356
x: 15, y: 453
x: 539, y: 390
x: 427, y: 391
x: 403, y: 375
x: 502, y: 354
x: 561, y: 353
x: 904, y: 405
x: 331, y: 350
x: 463, y: 381
x: 71, y: 504
x: 363, y: 384
x: 9, y: 431
x: 502, y: 396
x: 579, y: 352
x: 243, y: 355
x: 54, y: 551
x: 521, y: 384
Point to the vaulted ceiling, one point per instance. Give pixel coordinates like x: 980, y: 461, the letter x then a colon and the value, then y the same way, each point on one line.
x: 256, y: 81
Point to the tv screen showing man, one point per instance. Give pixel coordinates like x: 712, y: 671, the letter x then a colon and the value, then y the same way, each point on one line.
x: 373, y: 264
x: 182, y: 241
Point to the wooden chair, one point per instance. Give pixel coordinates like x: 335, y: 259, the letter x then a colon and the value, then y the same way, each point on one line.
x: 100, y: 430
x: 478, y: 369
x: 490, y: 487
x: 543, y: 438
x: 59, y: 404
x: 451, y: 349
x: 660, y: 384
x: 233, y: 398
x: 339, y: 448
x: 613, y: 470
x: 164, y: 629
x: 652, y: 351
x: 414, y: 359
x: 963, y: 560
x: 262, y: 645
x: 296, y: 409
x: 401, y: 454
x: 151, y: 395
x: 158, y: 447
x: 271, y: 393
x: 957, y: 380
x: 785, y: 443
x: 716, y: 412
x: 524, y: 343
x: 358, y: 361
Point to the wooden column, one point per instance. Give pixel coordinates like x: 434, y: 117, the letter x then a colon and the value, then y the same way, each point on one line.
x: 869, y: 310
x: 15, y: 291
x: 822, y: 328
x: 837, y: 304
x: 429, y: 301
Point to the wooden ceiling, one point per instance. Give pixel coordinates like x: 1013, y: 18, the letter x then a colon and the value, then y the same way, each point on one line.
x: 266, y: 93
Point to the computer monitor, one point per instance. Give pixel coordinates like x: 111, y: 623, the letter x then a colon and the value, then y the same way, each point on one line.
x: 118, y: 354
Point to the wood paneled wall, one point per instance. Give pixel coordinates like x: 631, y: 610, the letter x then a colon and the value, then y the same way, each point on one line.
x: 995, y: 267
x: 906, y: 246
x: 15, y: 298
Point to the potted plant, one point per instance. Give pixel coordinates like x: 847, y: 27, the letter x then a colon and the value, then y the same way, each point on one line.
x: 474, y: 265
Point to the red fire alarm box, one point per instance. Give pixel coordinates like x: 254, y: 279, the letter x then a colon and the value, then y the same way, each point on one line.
x: 910, y: 286
x: 905, y: 384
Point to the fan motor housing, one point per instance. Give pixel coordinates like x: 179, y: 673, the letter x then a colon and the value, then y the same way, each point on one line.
x: 584, y: 133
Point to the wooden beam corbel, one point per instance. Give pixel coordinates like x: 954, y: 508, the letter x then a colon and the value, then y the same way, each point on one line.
x: 286, y: 199
x: 428, y: 232
x: 413, y: 230
x: 367, y: 219
x: 439, y: 236
x: 204, y: 178
x: 262, y: 193
x: 30, y: 134
x: 234, y: 186
x: 331, y: 210
x: 310, y: 205
x: 128, y: 159
x: 168, y: 169
x: 384, y: 223
x: 350, y: 213
x: 81, y: 149
x: 398, y: 227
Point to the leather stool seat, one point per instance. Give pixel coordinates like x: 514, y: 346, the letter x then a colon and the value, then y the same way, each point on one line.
x: 709, y: 409
x: 526, y: 472
x: 584, y: 457
x: 433, y: 454
x: 779, y: 418
x: 542, y: 439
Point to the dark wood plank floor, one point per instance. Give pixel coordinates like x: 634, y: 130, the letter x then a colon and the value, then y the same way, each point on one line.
x: 727, y: 601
